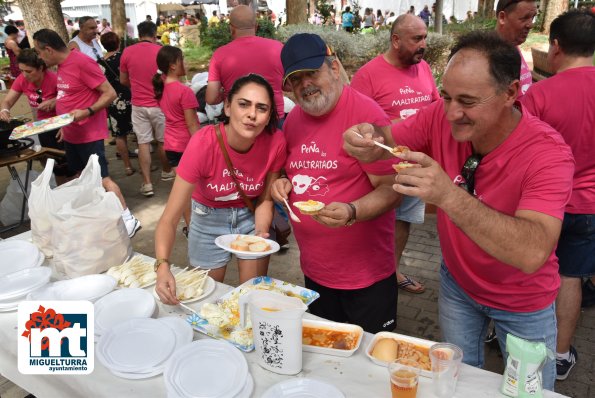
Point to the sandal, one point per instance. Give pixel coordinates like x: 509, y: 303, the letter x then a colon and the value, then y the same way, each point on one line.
x: 130, y: 171
x: 411, y: 285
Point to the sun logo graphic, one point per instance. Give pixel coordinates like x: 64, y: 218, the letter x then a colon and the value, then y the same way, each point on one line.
x: 56, y: 337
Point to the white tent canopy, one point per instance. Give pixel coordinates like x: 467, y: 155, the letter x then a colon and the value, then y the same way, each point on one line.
x: 18, y: 15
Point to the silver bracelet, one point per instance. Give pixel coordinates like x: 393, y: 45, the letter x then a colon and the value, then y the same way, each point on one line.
x: 5, y: 110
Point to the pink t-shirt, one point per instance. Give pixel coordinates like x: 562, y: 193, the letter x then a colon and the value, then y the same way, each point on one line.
x: 399, y: 92
x: 526, y: 77
x: 203, y: 164
x: 176, y: 98
x: 139, y: 61
x: 48, y: 91
x: 78, y: 78
x: 574, y: 118
x: 246, y: 55
x: 351, y: 257
x: 531, y: 170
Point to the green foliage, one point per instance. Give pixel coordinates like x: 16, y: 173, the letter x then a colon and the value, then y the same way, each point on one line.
x: 127, y: 41
x: 324, y: 9
x: 216, y: 36
x: 354, y: 50
x: 459, y: 29
x: 266, y: 28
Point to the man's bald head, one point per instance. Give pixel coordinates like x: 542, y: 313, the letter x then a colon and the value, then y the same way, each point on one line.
x: 242, y: 17
x: 404, y: 21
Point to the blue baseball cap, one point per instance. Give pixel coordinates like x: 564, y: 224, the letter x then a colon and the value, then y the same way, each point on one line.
x: 303, y: 52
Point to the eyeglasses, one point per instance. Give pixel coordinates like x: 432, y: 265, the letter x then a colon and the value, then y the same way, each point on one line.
x: 39, y: 99
x: 468, y: 173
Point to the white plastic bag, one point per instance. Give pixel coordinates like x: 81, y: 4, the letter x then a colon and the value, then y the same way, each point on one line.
x: 87, y: 231
x: 11, y: 205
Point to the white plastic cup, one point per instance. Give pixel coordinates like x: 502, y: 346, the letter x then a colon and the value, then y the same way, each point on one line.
x: 446, y: 363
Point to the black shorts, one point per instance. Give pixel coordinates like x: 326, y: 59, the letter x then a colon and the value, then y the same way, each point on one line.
x: 576, y: 247
x: 174, y: 158
x: 48, y: 140
x: 78, y: 155
x: 374, y: 308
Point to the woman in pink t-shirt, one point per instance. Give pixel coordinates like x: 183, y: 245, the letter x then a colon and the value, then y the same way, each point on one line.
x: 39, y: 85
x: 257, y: 151
x: 179, y: 104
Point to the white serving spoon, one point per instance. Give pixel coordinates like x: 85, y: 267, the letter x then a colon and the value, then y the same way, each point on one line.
x: 291, y: 213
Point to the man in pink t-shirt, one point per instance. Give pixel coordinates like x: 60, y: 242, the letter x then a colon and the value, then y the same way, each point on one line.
x: 138, y: 65
x: 401, y: 82
x: 500, y: 178
x: 247, y: 53
x: 514, y: 22
x: 84, y: 92
x: 347, y: 249
x: 572, y: 43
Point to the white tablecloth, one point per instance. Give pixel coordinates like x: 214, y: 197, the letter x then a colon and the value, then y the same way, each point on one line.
x: 356, y: 376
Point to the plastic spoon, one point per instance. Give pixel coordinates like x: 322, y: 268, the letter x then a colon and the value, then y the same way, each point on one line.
x: 291, y: 213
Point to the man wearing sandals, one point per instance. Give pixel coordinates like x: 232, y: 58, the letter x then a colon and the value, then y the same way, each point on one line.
x: 501, y: 179
x: 401, y: 82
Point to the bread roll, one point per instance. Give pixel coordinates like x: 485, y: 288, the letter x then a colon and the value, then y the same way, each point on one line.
x: 385, y: 350
x: 239, y: 245
x: 309, y: 207
x: 403, y: 165
x: 251, y: 238
x: 259, y: 247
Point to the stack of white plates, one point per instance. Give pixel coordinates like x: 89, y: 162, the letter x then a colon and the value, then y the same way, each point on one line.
x: 18, y: 255
x: 208, y: 369
x: 14, y: 287
x: 88, y: 287
x: 139, y: 348
x: 122, y: 305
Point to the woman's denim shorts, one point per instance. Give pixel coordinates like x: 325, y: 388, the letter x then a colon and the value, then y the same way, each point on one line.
x: 207, y: 223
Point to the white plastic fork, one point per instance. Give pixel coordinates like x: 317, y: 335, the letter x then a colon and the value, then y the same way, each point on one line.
x: 291, y: 213
x: 377, y: 143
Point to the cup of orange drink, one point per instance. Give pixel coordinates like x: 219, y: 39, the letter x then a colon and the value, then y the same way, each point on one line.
x: 404, y: 378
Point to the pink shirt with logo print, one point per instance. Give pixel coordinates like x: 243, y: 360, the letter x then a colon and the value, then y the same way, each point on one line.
x: 203, y: 164
x: 351, y: 257
x: 531, y: 170
x: 399, y: 91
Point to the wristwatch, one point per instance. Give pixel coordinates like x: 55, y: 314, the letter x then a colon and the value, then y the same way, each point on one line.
x: 353, y: 215
x: 158, y: 262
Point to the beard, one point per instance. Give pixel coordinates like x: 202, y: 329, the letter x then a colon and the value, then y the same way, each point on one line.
x: 317, y: 105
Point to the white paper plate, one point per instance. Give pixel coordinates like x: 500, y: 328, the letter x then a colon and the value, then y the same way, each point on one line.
x: 248, y: 387
x: 206, y: 368
x: 303, y: 388
x: 19, y: 283
x: 208, y: 288
x: 18, y: 255
x: 136, y: 346
x: 183, y: 335
x: 88, y: 287
x: 224, y: 241
x: 121, y: 305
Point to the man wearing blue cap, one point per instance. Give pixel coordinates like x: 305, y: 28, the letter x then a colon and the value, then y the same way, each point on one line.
x: 347, y: 248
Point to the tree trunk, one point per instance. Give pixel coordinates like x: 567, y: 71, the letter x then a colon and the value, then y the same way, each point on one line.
x: 438, y: 16
x: 489, y: 11
x: 118, y: 17
x: 39, y: 14
x: 296, y: 12
x: 552, y: 10
x: 481, y: 8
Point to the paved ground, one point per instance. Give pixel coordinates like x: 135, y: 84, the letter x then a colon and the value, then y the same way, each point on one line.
x: 417, y: 314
